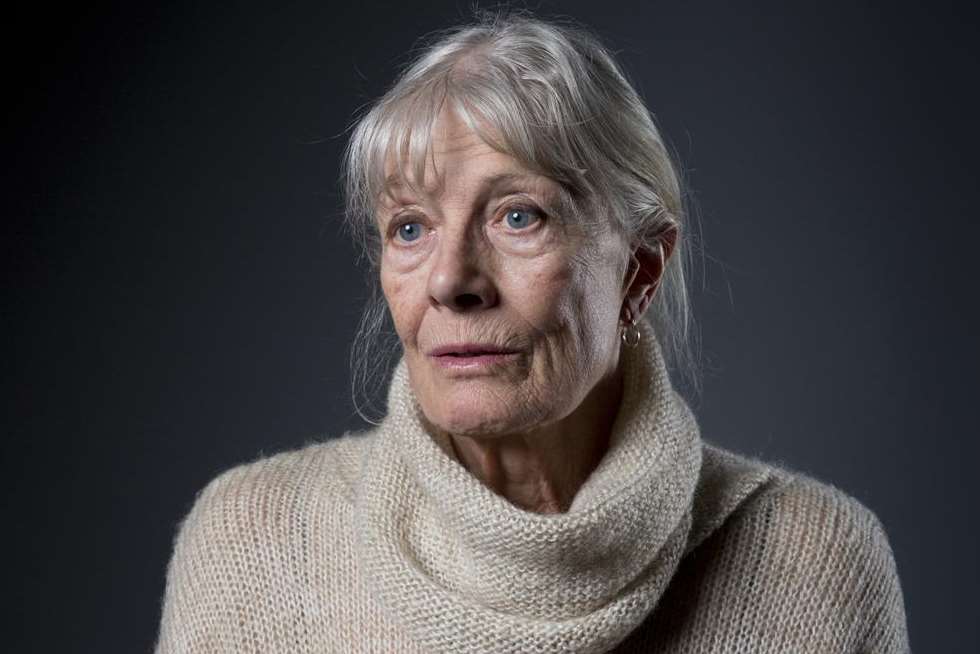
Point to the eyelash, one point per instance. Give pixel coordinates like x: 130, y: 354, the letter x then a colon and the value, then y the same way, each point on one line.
x: 407, y: 219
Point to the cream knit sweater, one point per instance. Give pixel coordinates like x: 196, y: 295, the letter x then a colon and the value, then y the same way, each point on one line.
x: 382, y: 542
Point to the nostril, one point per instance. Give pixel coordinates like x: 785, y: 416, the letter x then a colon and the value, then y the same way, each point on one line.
x: 468, y: 300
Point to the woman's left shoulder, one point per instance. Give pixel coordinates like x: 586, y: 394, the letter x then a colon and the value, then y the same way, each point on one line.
x: 797, y: 505
x: 812, y: 545
x: 806, y: 512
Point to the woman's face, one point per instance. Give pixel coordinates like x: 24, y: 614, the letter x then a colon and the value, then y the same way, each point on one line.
x: 508, y: 314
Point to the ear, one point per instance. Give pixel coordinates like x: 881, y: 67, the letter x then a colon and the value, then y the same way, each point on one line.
x: 644, y: 272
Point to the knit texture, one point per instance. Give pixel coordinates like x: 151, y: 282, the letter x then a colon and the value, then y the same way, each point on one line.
x: 382, y: 541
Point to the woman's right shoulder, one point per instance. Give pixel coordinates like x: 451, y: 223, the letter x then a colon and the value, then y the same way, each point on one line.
x: 248, y: 535
x: 285, y: 485
x: 329, y: 466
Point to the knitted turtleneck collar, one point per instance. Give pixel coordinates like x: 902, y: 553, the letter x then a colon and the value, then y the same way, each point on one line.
x: 465, y: 570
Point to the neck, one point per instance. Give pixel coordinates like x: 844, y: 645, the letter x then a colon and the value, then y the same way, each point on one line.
x: 541, y: 470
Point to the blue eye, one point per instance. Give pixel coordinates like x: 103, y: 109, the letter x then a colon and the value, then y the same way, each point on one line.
x: 521, y: 218
x: 410, y: 231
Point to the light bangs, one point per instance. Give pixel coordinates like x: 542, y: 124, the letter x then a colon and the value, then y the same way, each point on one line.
x: 400, y: 139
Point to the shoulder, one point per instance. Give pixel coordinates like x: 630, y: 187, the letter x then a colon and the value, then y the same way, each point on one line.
x: 795, y: 564
x: 260, y: 530
x: 334, y: 460
x: 747, y: 490
x: 816, y: 519
x: 809, y: 524
x: 804, y: 546
x: 261, y: 497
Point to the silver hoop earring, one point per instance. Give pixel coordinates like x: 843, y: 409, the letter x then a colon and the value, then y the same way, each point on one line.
x: 631, y: 334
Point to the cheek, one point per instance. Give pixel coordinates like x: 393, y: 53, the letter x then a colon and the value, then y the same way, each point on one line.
x: 539, y: 292
x: 567, y: 292
x: 404, y: 304
x: 586, y: 301
x: 596, y: 291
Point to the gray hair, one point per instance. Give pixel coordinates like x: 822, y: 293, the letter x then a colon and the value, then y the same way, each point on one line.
x: 549, y: 94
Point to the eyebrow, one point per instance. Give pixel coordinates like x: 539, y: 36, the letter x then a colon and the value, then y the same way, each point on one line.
x: 393, y: 181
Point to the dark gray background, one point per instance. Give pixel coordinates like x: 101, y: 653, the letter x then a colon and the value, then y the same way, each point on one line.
x: 180, y: 298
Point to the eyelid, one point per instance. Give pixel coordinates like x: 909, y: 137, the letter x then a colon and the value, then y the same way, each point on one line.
x: 404, y: 213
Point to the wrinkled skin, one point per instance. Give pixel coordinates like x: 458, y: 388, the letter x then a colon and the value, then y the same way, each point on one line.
x: 458, y: 265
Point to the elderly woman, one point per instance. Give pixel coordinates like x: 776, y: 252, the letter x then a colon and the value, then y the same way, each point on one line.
x: 537, y: 485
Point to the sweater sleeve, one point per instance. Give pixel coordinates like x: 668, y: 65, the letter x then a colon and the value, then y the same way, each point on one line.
x: 834, y: 564
x: 887, y: 631
x: 217, y: 583
x: 195, y: 605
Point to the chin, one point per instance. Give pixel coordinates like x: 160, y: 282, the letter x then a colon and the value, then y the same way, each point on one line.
x: 465, y: 415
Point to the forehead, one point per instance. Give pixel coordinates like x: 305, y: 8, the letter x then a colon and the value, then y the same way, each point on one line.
x: 455, y: 157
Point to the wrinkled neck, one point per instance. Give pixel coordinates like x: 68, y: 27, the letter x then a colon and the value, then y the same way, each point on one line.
x: 541, y: 470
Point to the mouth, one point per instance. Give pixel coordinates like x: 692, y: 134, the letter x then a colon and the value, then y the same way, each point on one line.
x: 472, y: 357
x: 469, y: 350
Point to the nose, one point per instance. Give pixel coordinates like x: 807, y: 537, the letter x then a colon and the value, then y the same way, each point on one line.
x: 461, y: 279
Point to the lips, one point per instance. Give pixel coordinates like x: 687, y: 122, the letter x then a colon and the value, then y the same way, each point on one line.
x: 465, y: 350
x: 469, y: 360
